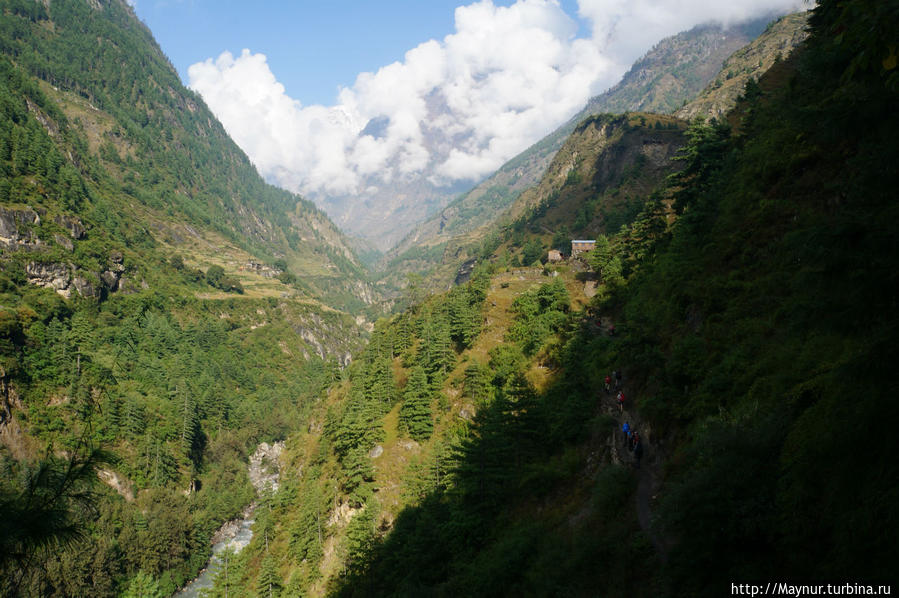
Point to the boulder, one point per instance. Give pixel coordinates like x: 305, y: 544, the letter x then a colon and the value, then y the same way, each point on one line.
x: 111, y: 280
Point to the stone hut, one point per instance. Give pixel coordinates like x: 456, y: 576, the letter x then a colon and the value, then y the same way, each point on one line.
x: 579, y: 246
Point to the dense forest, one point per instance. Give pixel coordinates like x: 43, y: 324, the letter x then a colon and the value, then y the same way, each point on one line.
x: 740, y: 296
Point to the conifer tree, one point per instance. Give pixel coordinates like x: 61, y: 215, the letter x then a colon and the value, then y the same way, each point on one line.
x: 142, y: 585
x: 476, y: 385
x: 361, y: 536
x: 268, y: 585
x: 415, y: 414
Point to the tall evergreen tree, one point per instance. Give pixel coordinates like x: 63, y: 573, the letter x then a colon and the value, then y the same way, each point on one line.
x: 415, y: 414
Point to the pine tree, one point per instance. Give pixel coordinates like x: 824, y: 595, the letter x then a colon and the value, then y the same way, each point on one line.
x: 403, y: 334
x: 361, y: 536
x: 142, y: 585
x: 268, y: 585
x: 379, y: 384
x: 358, y: 470
x: 415, y: 414
x: 476, y: 385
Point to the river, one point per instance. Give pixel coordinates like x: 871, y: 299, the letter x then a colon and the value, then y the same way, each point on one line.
x: 263, y: 471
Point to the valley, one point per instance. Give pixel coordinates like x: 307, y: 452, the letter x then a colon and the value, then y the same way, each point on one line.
x: 189, y: 354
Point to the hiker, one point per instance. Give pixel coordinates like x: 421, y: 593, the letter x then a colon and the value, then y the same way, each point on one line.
x: 626, y: 428
x: 611, y: 329
x: 608, y: 383
x: 620, y: 401
x: 617, y: 379
x: 638, y: 451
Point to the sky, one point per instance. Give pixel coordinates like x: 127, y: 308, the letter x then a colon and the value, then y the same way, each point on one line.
x: 333, y: 96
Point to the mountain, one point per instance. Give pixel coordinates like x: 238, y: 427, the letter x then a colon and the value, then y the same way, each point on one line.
x: 154, y: 168
x: 749, y: 62
x: 162, y: 309
x: 475, y: 447
x: 671, y: 74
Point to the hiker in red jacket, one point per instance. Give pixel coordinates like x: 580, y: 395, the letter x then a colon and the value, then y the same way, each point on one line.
x: 621, y: 401
x: 608, y: 383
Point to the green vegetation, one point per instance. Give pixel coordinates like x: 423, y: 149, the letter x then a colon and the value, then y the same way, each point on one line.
x: 755, y: 334
x: 469, y: 448
x: 177, y: 391
x: 167, y: 353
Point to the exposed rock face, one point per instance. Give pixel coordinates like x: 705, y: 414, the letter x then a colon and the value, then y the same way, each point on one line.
x: 15, y: 224
x: 62, y: 278
x: 342, y: 514
x: 463, y: 274
x: 260, y: 269
x: 84, y: 287
x: 52, y: 276
x: 118, y: 483
x: 265, y: 466
x: 66, y: 279
x: 19, y: 444
x: 64, y: 241
x: 113, y: 276
x: 110, y: 279
x: 72, y: 225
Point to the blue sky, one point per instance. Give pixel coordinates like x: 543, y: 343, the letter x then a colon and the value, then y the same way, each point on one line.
x: 313, y: 47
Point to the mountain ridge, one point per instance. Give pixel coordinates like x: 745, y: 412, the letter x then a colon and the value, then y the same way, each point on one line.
x: 636, y: 90
x: 147, y: 136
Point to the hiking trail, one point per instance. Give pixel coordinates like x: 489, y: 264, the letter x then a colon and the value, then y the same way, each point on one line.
x: 649, y: 472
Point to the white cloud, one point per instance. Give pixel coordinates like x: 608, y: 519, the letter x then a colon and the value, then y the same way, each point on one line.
x: 454, y: 109
x: 625, y: 29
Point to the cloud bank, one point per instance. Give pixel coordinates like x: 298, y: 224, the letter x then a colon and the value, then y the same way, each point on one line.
x: 454, y: 109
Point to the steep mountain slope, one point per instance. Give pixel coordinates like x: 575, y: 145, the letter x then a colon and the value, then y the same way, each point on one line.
x: 597, y: 181
x: 670, y: 74
x: 162, y: 309
x: 149, y: 155
x: 674, y: 71
x: 750, y: 62
x: 754, y: 334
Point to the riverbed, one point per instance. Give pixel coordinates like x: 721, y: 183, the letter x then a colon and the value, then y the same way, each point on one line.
x: 235, y: 535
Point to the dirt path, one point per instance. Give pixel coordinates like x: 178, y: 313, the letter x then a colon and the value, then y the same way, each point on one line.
x: 649, y: 472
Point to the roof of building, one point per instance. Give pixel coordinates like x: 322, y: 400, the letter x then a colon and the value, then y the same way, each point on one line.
x: 583, y: 240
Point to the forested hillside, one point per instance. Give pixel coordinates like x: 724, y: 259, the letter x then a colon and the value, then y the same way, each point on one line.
x: 161, y: 308
x: 99, y: 116
x: 754, y: 314
x: 740, y: 296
